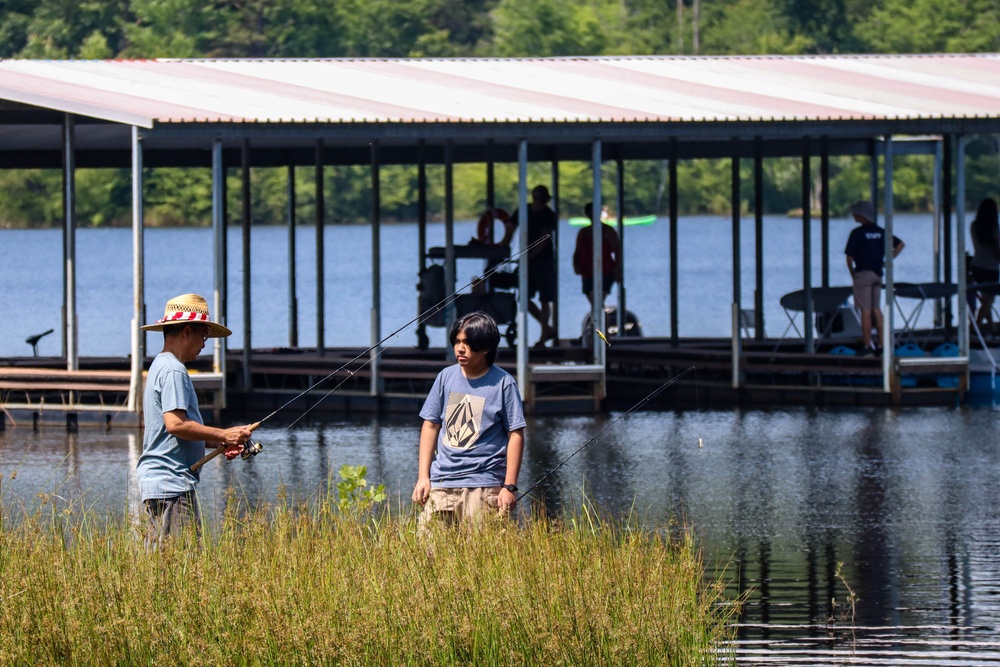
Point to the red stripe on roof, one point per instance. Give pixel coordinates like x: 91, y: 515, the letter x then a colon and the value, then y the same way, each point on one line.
x: 580, y: 106
x: 707, y: 93
x: 99, y: 98
x: 878, y: 86
x: 193, y: 70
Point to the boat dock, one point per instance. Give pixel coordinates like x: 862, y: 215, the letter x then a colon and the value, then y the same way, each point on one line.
x: 935, y: 121
x: 560, y: 379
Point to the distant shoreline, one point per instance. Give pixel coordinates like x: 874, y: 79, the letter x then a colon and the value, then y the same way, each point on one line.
x: 434, y: 221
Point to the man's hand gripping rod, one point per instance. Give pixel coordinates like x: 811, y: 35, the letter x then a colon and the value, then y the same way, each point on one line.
x: 250, y: 448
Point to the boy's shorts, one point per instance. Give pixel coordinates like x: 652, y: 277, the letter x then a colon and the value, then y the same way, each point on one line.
x: 455, y: 506
x: 867, y: 290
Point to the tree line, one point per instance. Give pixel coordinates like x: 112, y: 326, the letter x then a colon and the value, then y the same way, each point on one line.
x: 100, y: 29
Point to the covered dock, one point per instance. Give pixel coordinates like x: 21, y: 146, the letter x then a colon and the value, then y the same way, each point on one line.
x: 244, y: 114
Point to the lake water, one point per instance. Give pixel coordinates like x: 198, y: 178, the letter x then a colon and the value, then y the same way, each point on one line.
x: 796, y: 508
x: 31, y: 279
x: 904, y: 500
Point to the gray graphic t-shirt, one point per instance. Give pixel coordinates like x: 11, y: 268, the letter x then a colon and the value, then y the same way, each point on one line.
x: 476, y: 417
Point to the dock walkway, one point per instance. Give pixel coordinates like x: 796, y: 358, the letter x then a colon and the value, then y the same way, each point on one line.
x: 560, y: 379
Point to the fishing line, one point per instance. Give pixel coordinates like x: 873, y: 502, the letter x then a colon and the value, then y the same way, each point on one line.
x: 597, y: 437
x: 422, y: 317
x: 254, y: 448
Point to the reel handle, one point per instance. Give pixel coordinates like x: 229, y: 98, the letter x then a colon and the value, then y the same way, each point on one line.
x: 215, y: 452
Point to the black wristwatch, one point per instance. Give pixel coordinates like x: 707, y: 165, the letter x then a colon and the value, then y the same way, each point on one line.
x: 510, y: 487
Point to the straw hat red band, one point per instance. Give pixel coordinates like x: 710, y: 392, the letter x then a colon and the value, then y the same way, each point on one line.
x: 188, y: 309
x: 186, y: 317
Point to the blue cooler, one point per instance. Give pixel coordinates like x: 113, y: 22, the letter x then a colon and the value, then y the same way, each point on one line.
x: 909, y: 350
x: 946, y: 350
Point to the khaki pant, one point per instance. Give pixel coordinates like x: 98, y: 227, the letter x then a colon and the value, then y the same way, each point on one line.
x: 170, y: 516
x: 458, y: 506
x: 867, y: 290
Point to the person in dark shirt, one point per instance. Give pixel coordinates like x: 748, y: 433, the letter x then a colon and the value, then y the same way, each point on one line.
x: 865, y: 259
x: 541, y: 261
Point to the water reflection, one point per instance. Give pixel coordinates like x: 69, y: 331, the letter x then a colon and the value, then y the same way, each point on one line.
x: 778, y: 500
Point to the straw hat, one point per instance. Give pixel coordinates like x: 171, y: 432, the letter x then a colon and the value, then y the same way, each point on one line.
x: 188, y: 309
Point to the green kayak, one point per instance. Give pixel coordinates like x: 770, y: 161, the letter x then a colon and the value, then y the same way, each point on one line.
x: 628, y: 221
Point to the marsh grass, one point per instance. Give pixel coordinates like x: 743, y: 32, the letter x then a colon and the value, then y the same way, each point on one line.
x: 309, y: 584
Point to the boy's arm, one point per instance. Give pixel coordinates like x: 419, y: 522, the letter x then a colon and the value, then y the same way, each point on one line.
x: 428, y: 441
x: 898, y: 248
x: 515, y: 449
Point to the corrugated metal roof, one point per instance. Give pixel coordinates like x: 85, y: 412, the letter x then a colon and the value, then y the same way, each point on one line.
x: 621, y: 89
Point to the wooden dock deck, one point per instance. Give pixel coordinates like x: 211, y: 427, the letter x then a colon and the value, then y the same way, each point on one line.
x: 560, y: 380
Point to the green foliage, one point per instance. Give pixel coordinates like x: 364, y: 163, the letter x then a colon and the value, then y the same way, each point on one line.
x: 933, y: 26
x: 169, y: 28
x: 982, y: 156
x: 290, y: 584
x: 828, y: 24
x: 60, y: 28
x: 750, y: 27
x: 31, y: 198
x: 15, y: 17
x: 354, y: 497
x: 544, y: 28
x: 448, y: 28
x: 649, y: 28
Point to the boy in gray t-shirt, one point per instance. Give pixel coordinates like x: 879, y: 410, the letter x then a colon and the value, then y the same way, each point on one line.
x: 474, y: 421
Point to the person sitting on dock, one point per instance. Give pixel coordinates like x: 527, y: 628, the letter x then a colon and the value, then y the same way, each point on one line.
x: 865, y: 253
x: 474, y: 419
x: 583, y: 256
x: 174, y: 436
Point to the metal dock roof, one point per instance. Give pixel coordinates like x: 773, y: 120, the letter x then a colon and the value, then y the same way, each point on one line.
x: 554, y: 101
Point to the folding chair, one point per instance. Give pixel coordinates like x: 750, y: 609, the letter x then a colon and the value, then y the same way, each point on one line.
x: 922, y: 292
x: 827, y: 302
x: 748, y: 321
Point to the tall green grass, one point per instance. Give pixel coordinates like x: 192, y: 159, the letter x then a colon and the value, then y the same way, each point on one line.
x: 312, y: 584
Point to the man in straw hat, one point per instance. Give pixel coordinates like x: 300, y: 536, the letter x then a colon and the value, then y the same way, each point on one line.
x: 175, y: 437
x: 865, y: 254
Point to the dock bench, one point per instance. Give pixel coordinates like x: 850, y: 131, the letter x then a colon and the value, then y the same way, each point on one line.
x: 562, y: 382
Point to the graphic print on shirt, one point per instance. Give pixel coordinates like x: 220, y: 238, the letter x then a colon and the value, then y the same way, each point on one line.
x: 463, y: 420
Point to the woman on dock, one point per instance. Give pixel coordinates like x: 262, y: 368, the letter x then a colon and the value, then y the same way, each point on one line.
x: 985, y: 265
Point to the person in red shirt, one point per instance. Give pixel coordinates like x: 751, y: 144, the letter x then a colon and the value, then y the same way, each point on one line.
x: 583, y: 257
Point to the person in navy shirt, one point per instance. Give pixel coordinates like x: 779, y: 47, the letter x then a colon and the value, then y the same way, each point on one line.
x: 865, y: 259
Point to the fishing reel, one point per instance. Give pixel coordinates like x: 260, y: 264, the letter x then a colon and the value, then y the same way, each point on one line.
x: 251, y: 449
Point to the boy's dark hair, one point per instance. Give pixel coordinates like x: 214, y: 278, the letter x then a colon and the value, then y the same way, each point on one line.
x: 481, y: 334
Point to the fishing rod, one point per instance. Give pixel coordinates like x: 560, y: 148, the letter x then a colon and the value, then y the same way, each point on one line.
x: 254, y: 448
x: 597, y: 437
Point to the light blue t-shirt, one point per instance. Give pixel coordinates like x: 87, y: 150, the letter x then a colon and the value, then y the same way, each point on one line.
x: 164, y: 468
x: 476, y: 417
